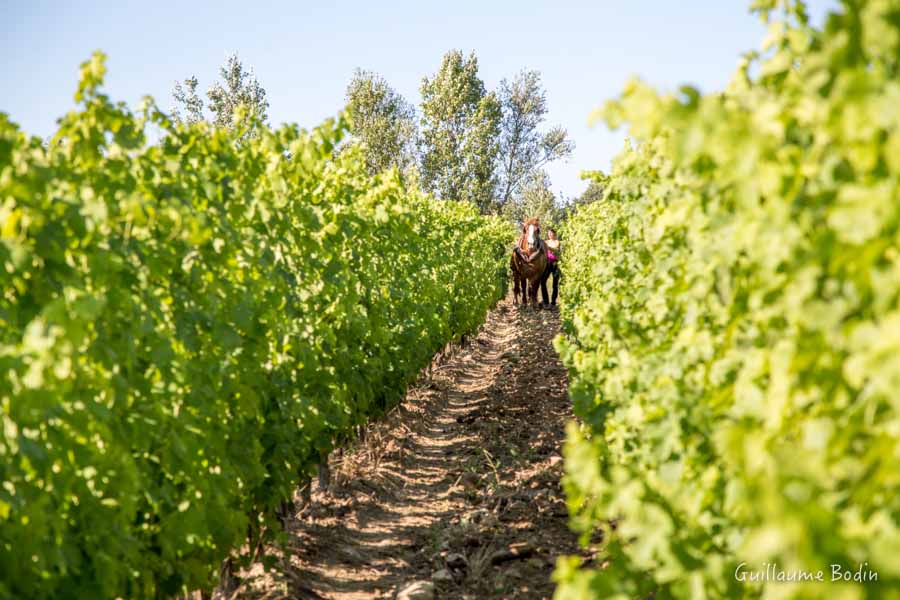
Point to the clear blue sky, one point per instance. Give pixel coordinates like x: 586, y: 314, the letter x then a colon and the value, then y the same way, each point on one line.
x: 305, y: 52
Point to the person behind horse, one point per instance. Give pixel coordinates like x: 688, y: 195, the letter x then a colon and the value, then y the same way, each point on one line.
x: 553, y: 253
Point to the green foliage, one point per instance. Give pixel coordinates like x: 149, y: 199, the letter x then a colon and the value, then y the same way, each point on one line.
x: 460, y: 133
x: 187, y: 327
x: 524, y: 149
x: 186, y: 98
x: 237, y: 96
x: 536, y: 201
x: 594, y: 191
x: 383, y: 121
x: 733, y: 329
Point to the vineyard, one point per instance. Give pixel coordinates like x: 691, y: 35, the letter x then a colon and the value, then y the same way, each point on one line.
x: 198, y: 317
x: 732, y: 328
x: 188, y: 327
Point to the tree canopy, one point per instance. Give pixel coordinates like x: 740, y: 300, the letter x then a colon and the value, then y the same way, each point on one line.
x: 535, y: 200
x: 524, y: 148
x: 460, y: 133
x: 238, y: 87
x: 383, y: 121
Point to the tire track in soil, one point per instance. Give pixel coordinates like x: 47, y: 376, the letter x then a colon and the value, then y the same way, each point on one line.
x: 466, y: 469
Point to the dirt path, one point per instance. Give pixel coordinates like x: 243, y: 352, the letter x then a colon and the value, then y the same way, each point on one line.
x: 459, y: 487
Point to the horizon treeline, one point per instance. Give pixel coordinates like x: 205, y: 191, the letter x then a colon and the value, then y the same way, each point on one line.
x: 463, y: 141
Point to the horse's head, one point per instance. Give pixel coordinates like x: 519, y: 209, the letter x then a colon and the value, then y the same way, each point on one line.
x: 531, y: 234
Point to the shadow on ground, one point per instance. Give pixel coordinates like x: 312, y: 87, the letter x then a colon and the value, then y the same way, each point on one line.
x: 459, y: 486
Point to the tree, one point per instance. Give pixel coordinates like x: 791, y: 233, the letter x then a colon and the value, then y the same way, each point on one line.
x: 524, y: 149
x: 383, y: 121
x: 460, y: 129
x: 594, y: 189
x: 535, y: 200
x: 187, y: 97
x: 239, y: 87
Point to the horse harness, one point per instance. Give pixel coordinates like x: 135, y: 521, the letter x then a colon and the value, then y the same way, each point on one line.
x: 542, y: 247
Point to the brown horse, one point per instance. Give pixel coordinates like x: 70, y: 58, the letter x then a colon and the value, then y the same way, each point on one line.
x: 529, y: 259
